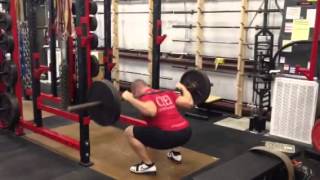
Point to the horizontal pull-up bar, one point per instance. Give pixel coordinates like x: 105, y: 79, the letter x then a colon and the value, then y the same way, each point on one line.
x: 217, y: 42
x: 204, y: 12
x: 142, y: 74
x: 225, y: 27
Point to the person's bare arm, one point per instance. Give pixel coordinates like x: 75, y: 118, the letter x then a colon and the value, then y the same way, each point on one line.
x: 185, y: 100
x: 146, y: 108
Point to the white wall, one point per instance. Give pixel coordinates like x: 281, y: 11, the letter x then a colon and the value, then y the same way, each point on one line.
x: 133, y: 34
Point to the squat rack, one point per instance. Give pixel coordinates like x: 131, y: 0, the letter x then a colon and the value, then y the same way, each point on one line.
x: 84, y: 81
x: 83, y: 145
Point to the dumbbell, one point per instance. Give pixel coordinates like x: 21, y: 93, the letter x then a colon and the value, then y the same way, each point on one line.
x: 6, y: 42
x: 8, y: 72
x: 5, y: 21
x: 9, y: 109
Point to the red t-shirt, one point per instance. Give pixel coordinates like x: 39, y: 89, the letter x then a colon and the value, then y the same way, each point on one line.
x: 168, y: 117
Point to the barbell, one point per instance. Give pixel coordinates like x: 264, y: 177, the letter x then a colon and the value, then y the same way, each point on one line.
x: 104, y: 103
x: 95, y: 69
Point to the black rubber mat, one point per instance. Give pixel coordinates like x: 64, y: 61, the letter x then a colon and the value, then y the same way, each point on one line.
x: 222, y: 142
x: 235, y: 169
x: 22, y: 160
x: 56, y: 121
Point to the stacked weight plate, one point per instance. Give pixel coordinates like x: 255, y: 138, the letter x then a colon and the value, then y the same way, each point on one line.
x: 9, y: 108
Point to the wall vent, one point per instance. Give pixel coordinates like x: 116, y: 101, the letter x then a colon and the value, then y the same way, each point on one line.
x: 293, y: 108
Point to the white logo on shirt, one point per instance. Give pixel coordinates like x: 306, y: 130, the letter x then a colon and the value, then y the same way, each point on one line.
x: 163, y: 101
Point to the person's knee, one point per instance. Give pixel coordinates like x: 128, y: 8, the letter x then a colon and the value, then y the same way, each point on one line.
x: 129, y: 131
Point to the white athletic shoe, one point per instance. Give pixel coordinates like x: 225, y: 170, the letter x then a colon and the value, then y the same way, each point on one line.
x: 143, y: 168
x: 175, y: 156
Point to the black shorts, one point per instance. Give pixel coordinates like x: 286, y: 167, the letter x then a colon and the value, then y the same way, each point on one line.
x: 160, y: 139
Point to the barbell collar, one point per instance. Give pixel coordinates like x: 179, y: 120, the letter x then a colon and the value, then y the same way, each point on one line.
x: 84, y: 106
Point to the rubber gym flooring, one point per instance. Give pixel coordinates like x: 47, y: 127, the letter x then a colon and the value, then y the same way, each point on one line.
x: 20, y: 159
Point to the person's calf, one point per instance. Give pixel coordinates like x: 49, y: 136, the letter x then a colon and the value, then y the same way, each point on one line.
x: 137, y: 146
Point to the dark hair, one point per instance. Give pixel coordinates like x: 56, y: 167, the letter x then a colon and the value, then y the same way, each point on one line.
x: 136, y: 83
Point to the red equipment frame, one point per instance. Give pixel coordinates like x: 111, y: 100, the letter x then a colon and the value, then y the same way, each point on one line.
x: 27, y: 124
x: 309, y: 73
x: 73, y: 143
x: 2, y: 87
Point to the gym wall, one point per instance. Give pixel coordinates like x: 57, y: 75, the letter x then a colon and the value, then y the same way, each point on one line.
x: 133, y: 34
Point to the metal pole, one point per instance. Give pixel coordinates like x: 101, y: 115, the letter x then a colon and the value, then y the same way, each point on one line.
x: 84, y: 106
x: 52, y: 35
x: 190, y: 26
x: 314, y: 50
x: 265, y: 15
x: 147, y: 75
x: 107, y: 39
x: 156, y: 46
x: 82, y: 7
x: 211, y: 42
x: 204, y: 12
x: 16, y: 55
x: 35, y: 64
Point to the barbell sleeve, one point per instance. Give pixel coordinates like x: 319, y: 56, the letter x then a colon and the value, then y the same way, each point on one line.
x: 84, y: 106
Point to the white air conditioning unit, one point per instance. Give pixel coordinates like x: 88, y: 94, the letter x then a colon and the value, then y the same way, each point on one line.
x: 293, y: 108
